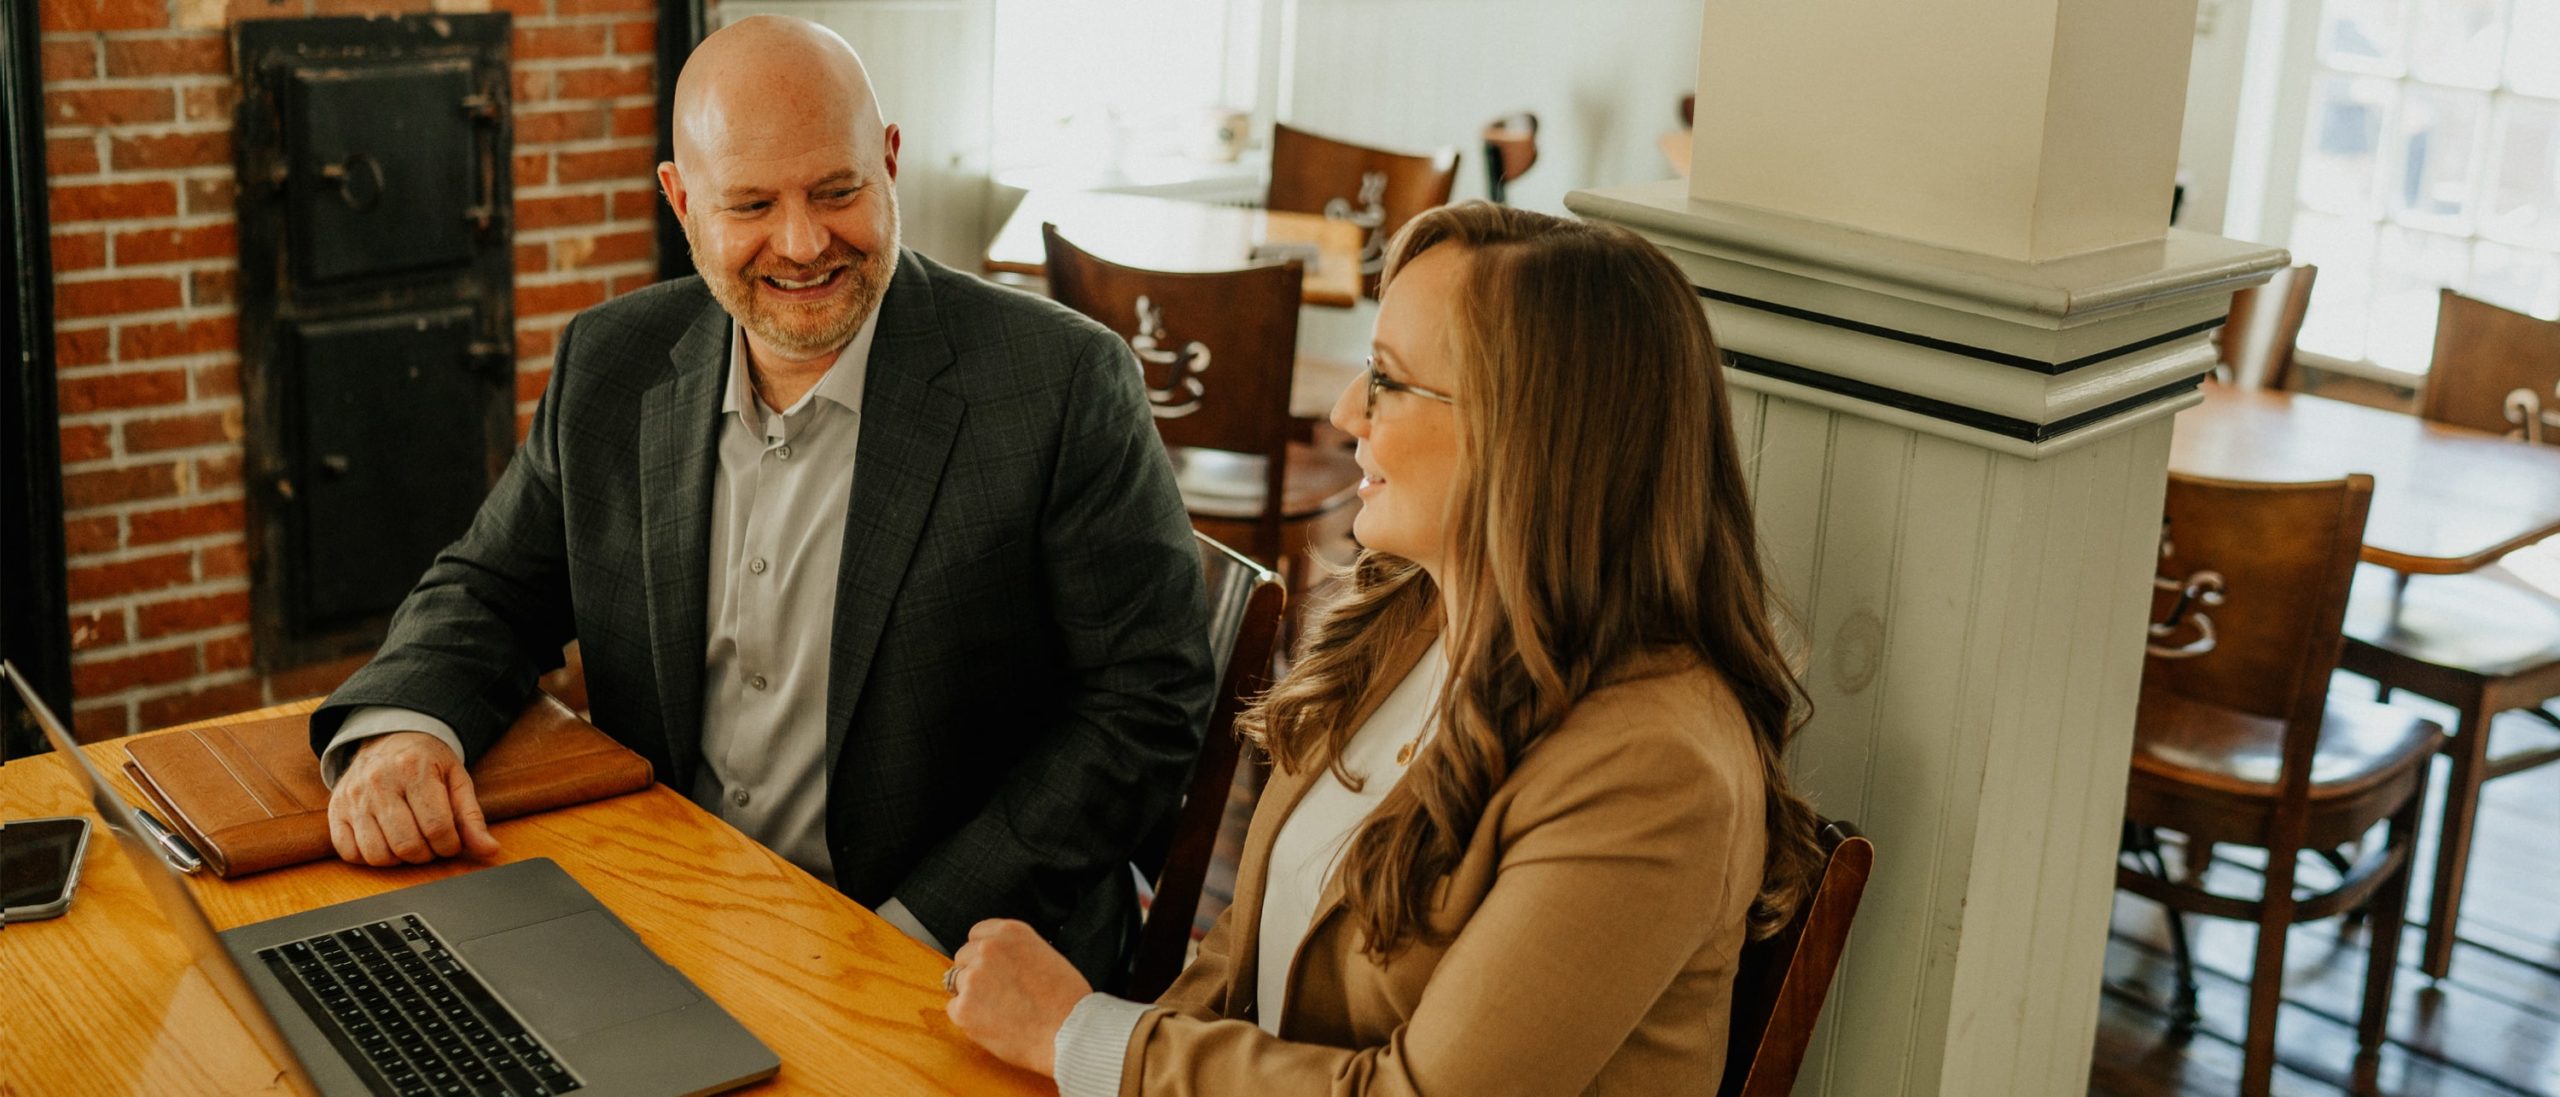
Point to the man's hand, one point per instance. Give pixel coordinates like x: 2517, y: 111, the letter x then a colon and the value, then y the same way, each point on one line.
x: 1011, y: 993
x: 405, y: 797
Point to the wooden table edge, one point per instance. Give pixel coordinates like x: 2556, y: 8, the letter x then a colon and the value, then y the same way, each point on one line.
x: 109, y: 755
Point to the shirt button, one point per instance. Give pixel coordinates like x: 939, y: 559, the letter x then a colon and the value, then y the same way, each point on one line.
x: 738, y: 797
x: 756, y: 682
x: 756, y: 565
x: 783, y: 452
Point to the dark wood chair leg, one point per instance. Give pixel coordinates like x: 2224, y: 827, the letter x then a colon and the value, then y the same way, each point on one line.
x: 2266, y: 978
x: 2469, y: 751
x: 2144, y: 842
x: 2389, y: 907
x: 2340, y: 862
x: 2183, y: 1014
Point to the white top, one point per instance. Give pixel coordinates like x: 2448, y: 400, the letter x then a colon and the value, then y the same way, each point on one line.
x: 1092, y: 1046
x: 1319, y: 830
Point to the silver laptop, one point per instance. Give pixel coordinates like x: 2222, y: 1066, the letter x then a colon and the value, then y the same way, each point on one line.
x: 509, y: 980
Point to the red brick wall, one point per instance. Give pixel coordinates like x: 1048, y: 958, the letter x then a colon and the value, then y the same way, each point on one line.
x: 138, y: 101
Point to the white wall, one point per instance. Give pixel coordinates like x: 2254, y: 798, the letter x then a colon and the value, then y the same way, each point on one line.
x: 2213, y: 111
x: 1605, y: 78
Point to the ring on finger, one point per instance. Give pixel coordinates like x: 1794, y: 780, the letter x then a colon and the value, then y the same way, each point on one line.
x: 951, y: 980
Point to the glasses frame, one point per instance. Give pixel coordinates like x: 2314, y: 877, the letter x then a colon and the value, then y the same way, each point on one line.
x: 1379, y: 382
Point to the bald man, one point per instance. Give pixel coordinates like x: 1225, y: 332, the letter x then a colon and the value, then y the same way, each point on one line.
x: 880, y: 563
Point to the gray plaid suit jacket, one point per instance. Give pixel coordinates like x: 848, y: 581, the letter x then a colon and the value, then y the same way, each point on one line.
x: 1020, y: 672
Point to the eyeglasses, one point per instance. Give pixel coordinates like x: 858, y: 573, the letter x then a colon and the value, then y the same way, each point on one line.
x: 1379, y: 382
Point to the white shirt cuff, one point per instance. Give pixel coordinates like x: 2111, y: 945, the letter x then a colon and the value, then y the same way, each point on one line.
x: 1094, y: 1044
x: 370, y: 721
x: 896, y: 914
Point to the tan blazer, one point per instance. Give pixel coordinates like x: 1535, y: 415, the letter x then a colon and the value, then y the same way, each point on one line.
x: 1598, y: 914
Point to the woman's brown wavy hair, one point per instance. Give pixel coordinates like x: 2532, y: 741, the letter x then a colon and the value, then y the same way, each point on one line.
x: 1599, y: 511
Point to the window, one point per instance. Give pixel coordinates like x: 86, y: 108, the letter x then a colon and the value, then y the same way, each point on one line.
x: 1099, y: 85
x: 2430, y: 157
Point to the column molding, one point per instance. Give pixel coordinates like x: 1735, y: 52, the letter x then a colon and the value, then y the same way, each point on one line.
x: 2025, y: 358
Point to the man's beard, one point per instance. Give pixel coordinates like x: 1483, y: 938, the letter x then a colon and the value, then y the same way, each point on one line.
x: 817, y: 327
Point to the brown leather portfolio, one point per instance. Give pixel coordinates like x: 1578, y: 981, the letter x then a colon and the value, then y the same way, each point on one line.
x: 249, y: 795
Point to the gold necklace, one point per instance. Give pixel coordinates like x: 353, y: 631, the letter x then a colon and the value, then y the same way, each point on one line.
x: 1405, y: 753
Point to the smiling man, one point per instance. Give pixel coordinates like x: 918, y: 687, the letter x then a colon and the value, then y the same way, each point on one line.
x: 880, y: 563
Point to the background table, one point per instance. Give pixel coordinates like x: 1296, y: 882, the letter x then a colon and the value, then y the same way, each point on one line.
x: 2446, y: 500
x: 1169, y: 234
x: 104, y: 1000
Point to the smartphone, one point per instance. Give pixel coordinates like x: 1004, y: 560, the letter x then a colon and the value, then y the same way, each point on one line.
x: 39, y: 866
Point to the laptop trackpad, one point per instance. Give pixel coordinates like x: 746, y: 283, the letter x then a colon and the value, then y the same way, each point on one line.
x: 577, y: 973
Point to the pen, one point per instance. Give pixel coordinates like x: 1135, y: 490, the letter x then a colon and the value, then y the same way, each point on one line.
x: 173, y: 846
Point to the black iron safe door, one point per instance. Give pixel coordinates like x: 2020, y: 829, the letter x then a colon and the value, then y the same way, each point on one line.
x: 377, y: 310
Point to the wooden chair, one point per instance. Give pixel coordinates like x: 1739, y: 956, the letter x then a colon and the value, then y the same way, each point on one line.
x: 2494, y: 369
x: 1375, y: 188
x: 2485, y: 642
x: 1779, y: 987
x: 1218, y: 351
x: 1245, y: 600
x: 1510, y: 149
x: 2237, y: 740
x: 2256, y: 343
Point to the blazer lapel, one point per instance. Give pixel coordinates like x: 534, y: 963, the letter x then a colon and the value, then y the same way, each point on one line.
x: 1281, y: 797
x: 908, y: 427
x: 679, y: 436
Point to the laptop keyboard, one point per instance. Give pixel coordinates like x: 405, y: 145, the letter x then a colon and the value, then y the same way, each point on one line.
x: 407, y: 1016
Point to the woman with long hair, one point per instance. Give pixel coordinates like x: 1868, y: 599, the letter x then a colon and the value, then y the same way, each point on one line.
x: 1528, y: 801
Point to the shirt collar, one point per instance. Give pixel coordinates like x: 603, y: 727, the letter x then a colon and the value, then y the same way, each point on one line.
x: 840, y: 385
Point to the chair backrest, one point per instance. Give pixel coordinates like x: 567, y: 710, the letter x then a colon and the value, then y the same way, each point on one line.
x: 2485, y: 356
x: 1218, y: 352
x: 1510, y: 147
x: 2256, y: 342
x: 1245, y: 600
x: 1781, y: 982
x: 1375, y: 188
x: 2251, y: 597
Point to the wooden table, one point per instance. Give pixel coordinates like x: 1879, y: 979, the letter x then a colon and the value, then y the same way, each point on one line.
x: 104, y: 1000
x: 1317, y: 382
x: 2446, y: 500
x: 1169, y: 234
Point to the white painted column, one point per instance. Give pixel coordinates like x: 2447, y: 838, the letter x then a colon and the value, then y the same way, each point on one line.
x: 1932, y: 241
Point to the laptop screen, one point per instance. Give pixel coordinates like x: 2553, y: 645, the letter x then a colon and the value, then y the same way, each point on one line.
x: 167, y: 888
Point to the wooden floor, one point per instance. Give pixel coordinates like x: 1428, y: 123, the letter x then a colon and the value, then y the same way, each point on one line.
x: 2490, y: 1030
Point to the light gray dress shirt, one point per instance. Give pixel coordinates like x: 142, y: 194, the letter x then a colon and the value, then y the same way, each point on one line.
x: 770, y: 616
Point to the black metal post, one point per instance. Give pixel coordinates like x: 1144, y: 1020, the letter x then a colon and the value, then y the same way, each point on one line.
x: 35, y: 627
x: 681, y: 24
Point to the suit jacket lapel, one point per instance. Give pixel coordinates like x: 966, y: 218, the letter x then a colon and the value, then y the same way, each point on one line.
x: 679, y: 443
x: 908, y: 427
x: 1280, y: 797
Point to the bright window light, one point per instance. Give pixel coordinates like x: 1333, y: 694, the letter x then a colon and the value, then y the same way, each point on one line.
x: 1099, y: 83
x: 2430, y: 157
